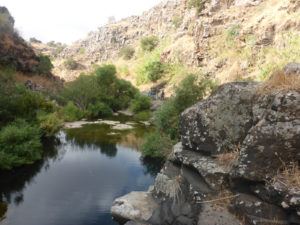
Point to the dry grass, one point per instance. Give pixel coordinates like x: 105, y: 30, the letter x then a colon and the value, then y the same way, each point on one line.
x: 280, y: 82
x: 228, y: 160
x: 289, y: 176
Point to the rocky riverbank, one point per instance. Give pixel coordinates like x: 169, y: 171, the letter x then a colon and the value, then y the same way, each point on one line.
x: 237, y: 162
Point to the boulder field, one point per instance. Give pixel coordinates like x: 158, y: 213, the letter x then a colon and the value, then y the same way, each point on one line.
x: 237, y: 162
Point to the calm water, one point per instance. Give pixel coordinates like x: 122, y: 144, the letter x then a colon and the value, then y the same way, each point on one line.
x: 82, y: 172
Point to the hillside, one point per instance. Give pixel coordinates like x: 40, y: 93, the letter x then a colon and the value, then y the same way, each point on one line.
x: 223, y: 40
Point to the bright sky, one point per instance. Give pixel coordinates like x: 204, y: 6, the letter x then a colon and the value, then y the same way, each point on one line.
x: 69, y: 20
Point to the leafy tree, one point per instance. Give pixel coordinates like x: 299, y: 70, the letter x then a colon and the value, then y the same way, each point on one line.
x: 149, y: 43
x: 45, y: 65
x: 154, y: 70
x: 127, y: 52
x: 140, y: 103
x: 19, y: 144
x: 70, y: 64
x: 34, y: 40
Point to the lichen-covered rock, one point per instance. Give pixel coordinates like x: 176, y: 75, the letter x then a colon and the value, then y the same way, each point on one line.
x: 219, y: 123
x: 214, y: 174
x: 138, y: 206
x: 274, y: 140
x: 254, y: 211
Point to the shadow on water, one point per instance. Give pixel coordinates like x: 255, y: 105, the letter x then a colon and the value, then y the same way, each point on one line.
x: 121, y: 168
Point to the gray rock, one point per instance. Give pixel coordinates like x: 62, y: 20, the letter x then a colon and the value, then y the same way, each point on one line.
x: 274, y: 139
x: 253, y: 211
x: 214, y: 175
x: 292, y: 68
x: 220, y: 122
x: 138, y: 206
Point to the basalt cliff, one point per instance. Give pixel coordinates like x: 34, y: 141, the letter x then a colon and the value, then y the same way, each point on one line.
x: 237, y: 161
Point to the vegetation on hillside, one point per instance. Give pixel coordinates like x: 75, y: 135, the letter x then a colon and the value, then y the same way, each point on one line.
x: 190, y: 91
x: 127, y: 52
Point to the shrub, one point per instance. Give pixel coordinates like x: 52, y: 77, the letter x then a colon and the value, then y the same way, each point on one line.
x: 71, y: 113
x: 45, y: 66
x: 81, y: 50
x: 70, y: 64
x: 149, y: 43
x: 49, y: 123
x: 100, y: 109
x: 177, y: 21
x: 142, y: 116
x: 188, y: 93
x: 154, y: 70
x: 233, y: 31
x: 166, y: 118
x: 51, y: 43
x: 140, y: 102
x: 198, y: 4
x: 5, y: 23
x: 156, y: 145
x: 127, y: 52
x: 106, y: 74
x: 34, y: 40
x: 19, y: 144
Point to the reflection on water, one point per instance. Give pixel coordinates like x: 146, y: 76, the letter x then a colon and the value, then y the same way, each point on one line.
x: 82, y: 172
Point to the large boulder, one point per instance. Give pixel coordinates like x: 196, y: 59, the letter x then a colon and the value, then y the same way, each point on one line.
x: 254, y: 211
x: 274, y: 139
x: 219, y: 123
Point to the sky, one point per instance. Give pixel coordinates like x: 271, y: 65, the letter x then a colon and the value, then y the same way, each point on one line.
x: 67, y: 21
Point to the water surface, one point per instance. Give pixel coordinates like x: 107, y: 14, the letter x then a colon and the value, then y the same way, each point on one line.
x: 82, y: 172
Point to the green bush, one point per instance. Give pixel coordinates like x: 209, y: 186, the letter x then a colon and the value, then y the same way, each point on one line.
x: 154, y: 70
x: 70, y: 64
x: 140, y: 103
x: 166, y: 118
x: 5, y: 24
x: 198, y: 4
x: 71, y: 113
x: 19, y: 144
x: 34, y: 40
x: 177, y: 21
x: 127, y: 52
x: 188, y: 93
x: 81, y: 50
x: 233, y: 31
x: 45, y: 66
x: 156, y: 145
x: 149, y: 43
x: 98, y: 110
x: 49, y: 123
x: 142, y: 116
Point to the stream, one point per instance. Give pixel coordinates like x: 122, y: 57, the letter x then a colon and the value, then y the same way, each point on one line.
x: 82, y: 171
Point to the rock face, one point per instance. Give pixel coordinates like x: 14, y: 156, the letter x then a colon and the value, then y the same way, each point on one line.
x: 221, y: 122
x: 237, y: 141
x: 13, y: 49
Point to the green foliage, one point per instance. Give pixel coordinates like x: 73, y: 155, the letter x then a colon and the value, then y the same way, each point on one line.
x: 34, y: 40
x: 233, y: 31
x: 177, y: 21
x: 102, y: 86
x: 19, y: 144
x: 71, y: 113
x: 149, y: 43
x: 166, y: 118
x: 97, y: 110
x: 142, y: 116
x: 127, y: 52
x: 156, y: 145
x: 16, y: 101
x: 188, y: 93
x: 45, y: 66
x: 82, y: 91
x: 49, y: 123
x: 70, y: 64
x: 198, y: 4
x: 51, y: 43
x: 81, y: 50
x: 140, y: 103
x: 154, y: 70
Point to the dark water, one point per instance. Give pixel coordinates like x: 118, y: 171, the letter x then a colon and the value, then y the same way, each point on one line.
x: 82, y: 172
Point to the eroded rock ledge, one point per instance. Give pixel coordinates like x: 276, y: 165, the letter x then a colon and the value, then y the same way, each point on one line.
x: 233, y: 147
